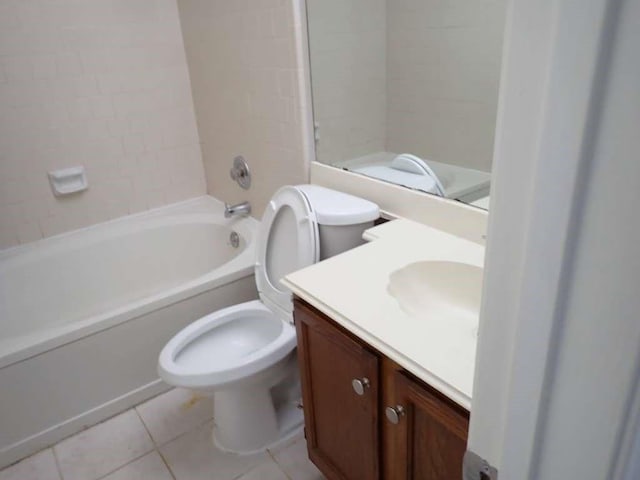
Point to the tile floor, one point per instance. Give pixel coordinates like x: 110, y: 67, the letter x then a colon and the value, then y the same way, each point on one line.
x: 165, y: 438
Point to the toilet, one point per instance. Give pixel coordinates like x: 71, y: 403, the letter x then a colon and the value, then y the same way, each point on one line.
x: 244, y: 355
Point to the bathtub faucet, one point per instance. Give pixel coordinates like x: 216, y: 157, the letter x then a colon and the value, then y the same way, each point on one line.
x: 243, y: 208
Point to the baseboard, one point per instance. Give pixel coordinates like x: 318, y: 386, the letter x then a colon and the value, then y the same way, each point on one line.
x: 51, y: 436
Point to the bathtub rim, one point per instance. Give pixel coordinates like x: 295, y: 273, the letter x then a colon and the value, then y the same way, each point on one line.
x: 198, y: 205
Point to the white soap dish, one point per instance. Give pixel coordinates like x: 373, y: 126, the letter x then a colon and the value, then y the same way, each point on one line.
x: 68, y: 180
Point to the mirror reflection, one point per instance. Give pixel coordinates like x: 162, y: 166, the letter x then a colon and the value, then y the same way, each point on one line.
x: 406, y: 90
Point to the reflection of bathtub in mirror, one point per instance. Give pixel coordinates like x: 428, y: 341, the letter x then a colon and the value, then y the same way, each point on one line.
x: 459, y: 183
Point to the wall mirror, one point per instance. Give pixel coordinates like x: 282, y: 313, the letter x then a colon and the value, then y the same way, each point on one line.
x: 406, y: 90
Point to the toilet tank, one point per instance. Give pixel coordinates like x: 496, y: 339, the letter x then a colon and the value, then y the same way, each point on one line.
x: 342, y: 218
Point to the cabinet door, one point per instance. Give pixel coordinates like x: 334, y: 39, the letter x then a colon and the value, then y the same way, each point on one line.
x: 427, y: 432
x: 341, y: 419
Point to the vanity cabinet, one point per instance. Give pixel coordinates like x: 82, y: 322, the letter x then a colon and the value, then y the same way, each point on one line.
x: 365, y: 417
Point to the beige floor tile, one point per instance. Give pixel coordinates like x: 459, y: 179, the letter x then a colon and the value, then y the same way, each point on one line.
x: 295, y: 462
x: 297, y: 437
x: 175, y: 412
x: 103, y: 448
x: 193, y: 457
x: 149, y: 467
x: 265, y: 471
x: 41, y: 466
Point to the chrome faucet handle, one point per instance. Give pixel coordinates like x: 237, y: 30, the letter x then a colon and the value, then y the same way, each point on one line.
x: 240, y: 172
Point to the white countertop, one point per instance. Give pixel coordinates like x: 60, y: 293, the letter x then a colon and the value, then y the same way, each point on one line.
x: 351, y: 288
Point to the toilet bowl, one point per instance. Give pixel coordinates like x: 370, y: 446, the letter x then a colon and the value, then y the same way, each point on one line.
x: 230, y: 345
x: 244, y: 355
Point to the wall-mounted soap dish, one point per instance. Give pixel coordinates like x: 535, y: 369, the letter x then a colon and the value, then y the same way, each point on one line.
x: 68, y: 180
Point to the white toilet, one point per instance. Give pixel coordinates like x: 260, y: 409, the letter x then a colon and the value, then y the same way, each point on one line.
x: 245, y: 354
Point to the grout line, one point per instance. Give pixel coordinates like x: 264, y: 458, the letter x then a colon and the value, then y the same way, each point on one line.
x: 146, y: 429
x: 273, y: 457
x: 55, y: 458
x: 166, y: 464
x: 125, y: 465
x: 156, y: 447
x: 197, y: 427
x: 133, y: 459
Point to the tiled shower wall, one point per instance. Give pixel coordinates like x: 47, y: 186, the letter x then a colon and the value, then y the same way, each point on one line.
x: 245, y: 70
x: 100, y: 83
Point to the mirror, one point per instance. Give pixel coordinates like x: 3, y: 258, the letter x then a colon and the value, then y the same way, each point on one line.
x: 406, y: 90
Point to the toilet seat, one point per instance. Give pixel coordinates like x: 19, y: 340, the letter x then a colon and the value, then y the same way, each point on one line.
x: 290, y: 224
x: 226, y: 346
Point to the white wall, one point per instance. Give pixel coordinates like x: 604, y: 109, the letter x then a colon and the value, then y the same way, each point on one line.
x: 443, y: 68
x: 245, y: 70
x: 102, y: 84
x: 348, y: 74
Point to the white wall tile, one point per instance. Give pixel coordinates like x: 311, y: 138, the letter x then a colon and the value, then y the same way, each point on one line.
x: 88, y: 83
x: 244, y: 79
x: 79, y: 109
x: 68, y: 64
x: 28, y: 232
x: 102, y: 107
x: 17, y: 68
x: 44, y: 66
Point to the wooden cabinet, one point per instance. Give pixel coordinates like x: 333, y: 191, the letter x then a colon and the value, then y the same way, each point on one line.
x: 430, y: 437
x: 365, y: 417
x: 341, y: 424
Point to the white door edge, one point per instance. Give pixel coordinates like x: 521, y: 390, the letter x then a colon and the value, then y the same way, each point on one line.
x: 542, y: 161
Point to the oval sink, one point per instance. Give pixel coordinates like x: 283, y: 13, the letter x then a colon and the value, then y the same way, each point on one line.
x: 438, y: 290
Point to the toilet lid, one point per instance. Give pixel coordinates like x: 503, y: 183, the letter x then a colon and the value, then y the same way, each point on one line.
x: 288, y: 241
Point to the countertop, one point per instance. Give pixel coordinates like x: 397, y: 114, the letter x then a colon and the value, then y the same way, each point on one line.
x: 351, y: 288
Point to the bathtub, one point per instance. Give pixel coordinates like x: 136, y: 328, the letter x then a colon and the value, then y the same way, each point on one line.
x: 84, y: 315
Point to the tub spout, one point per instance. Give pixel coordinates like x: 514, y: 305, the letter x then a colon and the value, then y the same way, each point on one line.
x: 243, y: 208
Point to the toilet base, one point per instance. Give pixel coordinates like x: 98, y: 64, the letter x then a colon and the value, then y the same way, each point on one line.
x: 296, y: 429
x: 251, y: 418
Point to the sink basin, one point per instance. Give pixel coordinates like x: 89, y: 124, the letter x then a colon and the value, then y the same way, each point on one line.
x: 439, y: 291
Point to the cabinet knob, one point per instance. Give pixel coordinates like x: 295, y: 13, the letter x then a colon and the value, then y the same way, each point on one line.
x: 394, y: 414
x: 360, y: 385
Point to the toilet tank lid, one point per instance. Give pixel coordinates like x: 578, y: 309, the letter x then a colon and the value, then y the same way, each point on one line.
x: 337, y: 208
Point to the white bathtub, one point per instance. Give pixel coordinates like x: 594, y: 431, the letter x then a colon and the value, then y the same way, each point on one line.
x: 84, y: 315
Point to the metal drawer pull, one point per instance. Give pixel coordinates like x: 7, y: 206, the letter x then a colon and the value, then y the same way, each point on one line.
x: 394, y: 413
x: 359, y: 386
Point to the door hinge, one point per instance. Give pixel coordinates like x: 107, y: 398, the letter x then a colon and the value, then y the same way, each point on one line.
x: 475, y: 467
